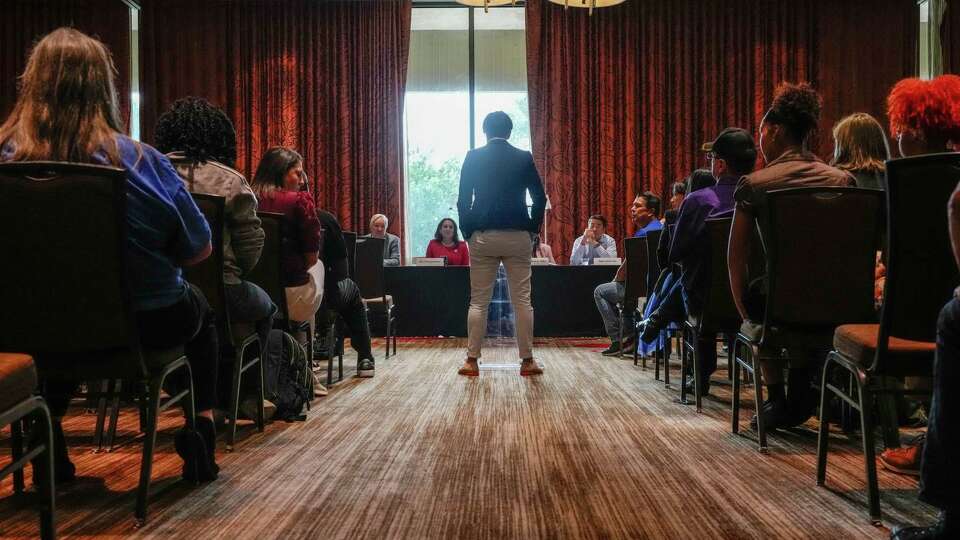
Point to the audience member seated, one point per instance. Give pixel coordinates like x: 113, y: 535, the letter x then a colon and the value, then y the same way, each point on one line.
x: 677, y: 192
x: 732, y: 155
x: 278, y: 183
x: 201, y: 143
x: 643, y: 212
x: 939, y: 472
x: 165, y: 229
x: 342, y: 295
x: 446, y: 243
x: 593, y: 243
x: 861, y: 148
x: 924, y: 118
x: 784, y: 135
x: 665, y: 304
x: 391, y: 244
x: 542, y: 250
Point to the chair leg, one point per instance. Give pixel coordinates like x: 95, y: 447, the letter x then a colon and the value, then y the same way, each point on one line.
x: 152, y: 400
x: 261, y: 415
x: 657, y: 351
x: 47, y: 492
x: 16, y: 451
x: 234, y: 410
x: 758, y: 393
x: 694, y: 339
x: 114, y: 414
x: 621, y: 332
x: 867, y: 427
x: 735, y: 402
x: 101, y: 417
x: 683, y: 375
x: 823, y: 436
x: 666, y: 359
x: 731, y: 343
x: 388, y: 336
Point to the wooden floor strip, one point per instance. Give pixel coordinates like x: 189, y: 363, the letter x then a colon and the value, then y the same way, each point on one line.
x: 593, y: 448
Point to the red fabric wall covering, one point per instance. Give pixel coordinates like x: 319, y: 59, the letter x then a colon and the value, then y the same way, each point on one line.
x: 24, y: 22
x: 620, y: 102
x: 326, y: 78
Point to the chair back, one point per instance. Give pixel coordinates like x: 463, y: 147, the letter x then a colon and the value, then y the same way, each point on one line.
x: 921, y: 270
x: 820, y: 246
x: 719, y: 311
x: 268, y: 272
x: 370, y: 275
x: 635, y: 277
x: 64, y: 246
x: 653, y: 260
x: 350, y: 240
x: 207, y: 275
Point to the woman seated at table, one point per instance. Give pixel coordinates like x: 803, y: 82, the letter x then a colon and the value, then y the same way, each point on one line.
x: 446, y: 243
x: 278, y: 183
x: 67, y: 111
x: 542, y: 251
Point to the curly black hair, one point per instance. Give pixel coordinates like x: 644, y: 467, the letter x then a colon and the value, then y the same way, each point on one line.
x: 198, y: 129
x: 797, y: 108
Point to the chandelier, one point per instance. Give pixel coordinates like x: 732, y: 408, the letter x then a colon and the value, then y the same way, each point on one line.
x: 486, y: 4
x: 589, y: 4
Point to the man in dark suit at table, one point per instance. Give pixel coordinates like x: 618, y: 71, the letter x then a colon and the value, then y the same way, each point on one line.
x: 494, y: 182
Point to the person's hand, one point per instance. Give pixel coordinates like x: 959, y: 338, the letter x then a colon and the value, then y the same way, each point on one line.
x: 589, y: 238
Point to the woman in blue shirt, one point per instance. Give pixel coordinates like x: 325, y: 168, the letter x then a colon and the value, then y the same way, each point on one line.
x: 67, y: 111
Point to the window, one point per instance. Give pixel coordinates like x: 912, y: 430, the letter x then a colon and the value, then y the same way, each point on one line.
x: 464, y: 64
x: 134, y: 72
x: 925, y: 68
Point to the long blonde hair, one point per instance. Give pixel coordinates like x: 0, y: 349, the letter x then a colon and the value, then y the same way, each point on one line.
x: 860, y: 144
x: 67, y: 108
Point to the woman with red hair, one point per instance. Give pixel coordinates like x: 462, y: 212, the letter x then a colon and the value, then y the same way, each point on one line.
x: 925, y: 115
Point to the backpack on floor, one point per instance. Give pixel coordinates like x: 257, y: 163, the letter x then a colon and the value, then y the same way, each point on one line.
x: 287, y: 378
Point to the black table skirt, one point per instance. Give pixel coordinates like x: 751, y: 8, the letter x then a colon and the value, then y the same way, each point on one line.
x: 433, y: 301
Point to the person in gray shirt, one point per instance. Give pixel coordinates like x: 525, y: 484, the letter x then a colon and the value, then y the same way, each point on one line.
x: 391, y: 244
x: 594, y: 243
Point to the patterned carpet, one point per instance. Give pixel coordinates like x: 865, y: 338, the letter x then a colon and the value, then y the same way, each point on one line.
x: 593, y: 448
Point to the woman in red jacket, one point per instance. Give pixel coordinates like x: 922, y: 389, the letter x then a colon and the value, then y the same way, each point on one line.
x: 446, y: 243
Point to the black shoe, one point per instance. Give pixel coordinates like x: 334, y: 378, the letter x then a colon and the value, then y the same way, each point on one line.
x: 612, y: 350
x: 63, y: 469
x: 197, y: 448
x: 648, y: 329
x: 776, y: 415
x: 365, y: 368
x: 934, y: 532
x: 692, y: 389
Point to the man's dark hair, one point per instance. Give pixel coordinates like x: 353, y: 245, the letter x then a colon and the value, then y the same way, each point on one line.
x: 651, y: 201
x: 199, y: 130
x: 456, y: 235
x: 699, y: 179
x: 797, y: 108
x: 741, y: 167
x: 598, y: 217
x: 497, y: 124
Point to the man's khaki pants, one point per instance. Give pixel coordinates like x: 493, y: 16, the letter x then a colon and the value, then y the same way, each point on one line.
x: 487, y: 250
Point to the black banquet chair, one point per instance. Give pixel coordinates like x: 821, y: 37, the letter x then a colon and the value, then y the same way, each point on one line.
x: 921, y: 276
x: 372, y: 284
x: 236, y: 340
x: 67, y: 224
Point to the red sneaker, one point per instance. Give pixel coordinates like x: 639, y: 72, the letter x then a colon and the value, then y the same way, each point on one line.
x: 904, y: 460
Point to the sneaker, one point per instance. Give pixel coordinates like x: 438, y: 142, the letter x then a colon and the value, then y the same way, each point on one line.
x: 648, y: 329
x: 612, y: 350
x: 904, y: 460
x: 365, y: 368
x: 937, y: 531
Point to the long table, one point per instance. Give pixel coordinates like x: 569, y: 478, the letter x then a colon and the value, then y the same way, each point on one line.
x: 433, y: 301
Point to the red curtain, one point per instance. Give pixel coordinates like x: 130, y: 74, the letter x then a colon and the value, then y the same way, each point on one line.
x: 621, y: 101
x: 24, y: 22
x: 326, y: 78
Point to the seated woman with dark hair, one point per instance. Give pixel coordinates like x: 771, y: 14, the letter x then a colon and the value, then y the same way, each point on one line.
x: 277, y: 184
x: 165, y: 229
x: 201, y: 143
x: 446, y: 243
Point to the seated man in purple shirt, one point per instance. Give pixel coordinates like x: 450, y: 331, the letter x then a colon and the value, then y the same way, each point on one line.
x: 732, y: 155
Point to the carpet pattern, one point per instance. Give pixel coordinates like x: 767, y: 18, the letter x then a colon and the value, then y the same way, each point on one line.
x: 594, y: 448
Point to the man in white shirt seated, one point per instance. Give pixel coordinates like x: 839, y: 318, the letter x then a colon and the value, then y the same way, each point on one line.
x: 594, y: 243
